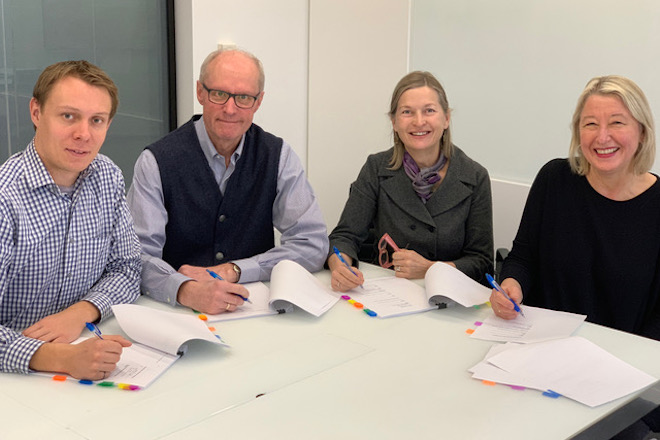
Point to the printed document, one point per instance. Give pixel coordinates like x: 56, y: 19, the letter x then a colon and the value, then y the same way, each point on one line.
x: 537, y: 325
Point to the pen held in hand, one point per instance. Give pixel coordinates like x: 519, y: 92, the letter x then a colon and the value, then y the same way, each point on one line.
x: 218, y: 277
x: 338, y: 254
x: 497, y: 287
x: 94, y: 329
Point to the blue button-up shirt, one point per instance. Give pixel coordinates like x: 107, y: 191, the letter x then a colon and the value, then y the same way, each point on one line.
x: 58, y: 249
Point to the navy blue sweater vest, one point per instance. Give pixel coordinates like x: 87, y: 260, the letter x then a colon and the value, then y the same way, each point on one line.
x: 204, y: 228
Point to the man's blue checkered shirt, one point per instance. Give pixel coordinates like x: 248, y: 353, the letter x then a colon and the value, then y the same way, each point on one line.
x: 57, y: 250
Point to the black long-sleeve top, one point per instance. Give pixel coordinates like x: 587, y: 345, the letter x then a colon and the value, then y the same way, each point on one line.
x: 581, y: 252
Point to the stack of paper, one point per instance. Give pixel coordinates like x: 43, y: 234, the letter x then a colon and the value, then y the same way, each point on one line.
x: 290, y: 284
x: 573, y: 367
x: 160, y: 339
x: 537, y: 325
x: 445, y: 285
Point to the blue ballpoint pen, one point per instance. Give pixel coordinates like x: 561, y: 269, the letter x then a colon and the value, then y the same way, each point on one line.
x: 497, y: 287
x: 94, y: 329
x: 216, y: 276
x: 338, y: 254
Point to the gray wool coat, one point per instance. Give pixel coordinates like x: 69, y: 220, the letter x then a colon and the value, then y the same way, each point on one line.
x: 456, y: 223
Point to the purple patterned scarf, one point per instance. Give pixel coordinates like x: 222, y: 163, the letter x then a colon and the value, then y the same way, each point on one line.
x: 424, y: 180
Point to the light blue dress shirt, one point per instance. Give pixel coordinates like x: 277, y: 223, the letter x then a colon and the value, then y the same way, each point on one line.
x: 296, y: 215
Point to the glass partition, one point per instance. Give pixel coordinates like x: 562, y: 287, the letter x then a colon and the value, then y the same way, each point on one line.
x: 126, y: 38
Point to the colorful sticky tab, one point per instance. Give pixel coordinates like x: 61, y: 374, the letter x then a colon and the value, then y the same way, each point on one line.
x: 212, y: 329
x: 106, y: 384
x: 489, y: 383
x: 202, y: 317
x: 488, y: 303
x: 551, y: 394
x: 85, y: 382
x: 516, y: 387
x: 351, y: 301
x: 469, y: 331
x: 358, y: 305
x: 370, y: 313
x: 478, y: 323
x: 345, y: 297
x: 59, y: 378
x: 477, y: 307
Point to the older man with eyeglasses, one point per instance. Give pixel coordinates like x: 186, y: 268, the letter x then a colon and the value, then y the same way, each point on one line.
x: 208, y: 195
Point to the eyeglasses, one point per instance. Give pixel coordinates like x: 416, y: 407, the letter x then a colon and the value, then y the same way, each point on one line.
x: 221, y: 97
x: 384, y: 258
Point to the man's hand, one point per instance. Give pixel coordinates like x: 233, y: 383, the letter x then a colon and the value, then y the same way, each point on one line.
x: 93, y: 359
x: 64, y: 326
x: 212, y: 296
x: 225, y: 270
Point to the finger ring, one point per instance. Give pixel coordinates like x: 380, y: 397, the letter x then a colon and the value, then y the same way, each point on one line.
x: 228, y: 306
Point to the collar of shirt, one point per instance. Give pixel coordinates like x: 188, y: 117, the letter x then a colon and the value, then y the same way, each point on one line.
x: 209, y: 149
x: 216, y: 162
x: 37, y: 175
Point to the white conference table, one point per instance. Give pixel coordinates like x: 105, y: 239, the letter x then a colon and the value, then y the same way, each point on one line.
x: 343, y: 375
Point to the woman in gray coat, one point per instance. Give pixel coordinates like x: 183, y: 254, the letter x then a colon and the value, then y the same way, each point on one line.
x: 432, y: 200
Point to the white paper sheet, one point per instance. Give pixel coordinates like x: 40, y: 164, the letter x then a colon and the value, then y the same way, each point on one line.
x: 537, y: 325
x: 444, y: 280
x: 484, y: 370
x: 139, y: 365
x: 292, y: 283
x: 391, y: 296
x: 165, y: 331
x: 573, y: 367
x: 260, y: 297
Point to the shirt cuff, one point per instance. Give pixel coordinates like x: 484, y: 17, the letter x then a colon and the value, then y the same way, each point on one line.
x: 250, y: 270
x: 101, y: 302
x: 20, y: 353
x: 169, y: 289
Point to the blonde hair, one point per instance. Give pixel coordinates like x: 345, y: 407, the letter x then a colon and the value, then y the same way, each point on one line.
x: 83, y: 70
x: 414, y: 80
x: 635, y: 101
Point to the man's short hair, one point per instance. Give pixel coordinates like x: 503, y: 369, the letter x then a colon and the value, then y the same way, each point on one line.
x: 83, y: 70
x: 203, y: 71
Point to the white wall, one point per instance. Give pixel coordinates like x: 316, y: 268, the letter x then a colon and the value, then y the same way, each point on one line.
x: 358, y: 52
x: 513, y: 70
x: 275, y: 31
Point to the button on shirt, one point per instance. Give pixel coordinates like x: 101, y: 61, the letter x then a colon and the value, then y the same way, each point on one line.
x: 58, y: 249
x: 296, y: 214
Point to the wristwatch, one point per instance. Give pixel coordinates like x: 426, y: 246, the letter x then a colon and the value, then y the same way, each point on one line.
x: 237, y: 270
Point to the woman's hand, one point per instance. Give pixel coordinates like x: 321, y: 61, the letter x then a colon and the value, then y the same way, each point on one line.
x: 409, y: 264
x: 500, y: 304
x: 343, y: 279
